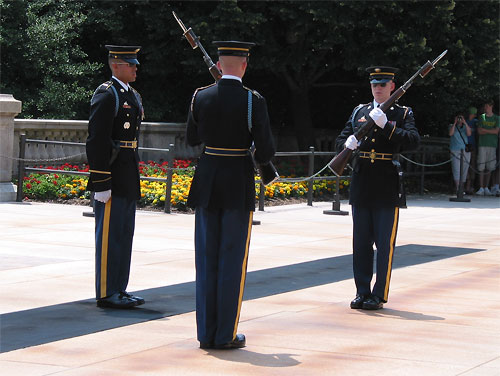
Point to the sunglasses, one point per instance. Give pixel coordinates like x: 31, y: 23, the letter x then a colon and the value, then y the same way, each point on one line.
x: 381, y: 85
x: 129, y: 64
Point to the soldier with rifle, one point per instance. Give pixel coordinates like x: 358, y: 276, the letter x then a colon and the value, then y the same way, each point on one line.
x: 376, y: 191
x: 227, y: 118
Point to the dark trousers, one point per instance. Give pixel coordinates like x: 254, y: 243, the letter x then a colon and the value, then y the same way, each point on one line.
x: 371, y: 226
x: 114, y: 231
x: 222, y: 239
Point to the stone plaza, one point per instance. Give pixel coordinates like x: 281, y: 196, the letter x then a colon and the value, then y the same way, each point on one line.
x: 441, y: 319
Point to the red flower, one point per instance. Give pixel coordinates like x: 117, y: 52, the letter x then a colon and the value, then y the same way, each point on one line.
x: 28, y: 186
x: 55, y: 182
x: 56, y: 176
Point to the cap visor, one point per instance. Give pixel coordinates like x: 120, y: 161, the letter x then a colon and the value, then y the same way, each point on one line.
x: 133, y: 61
x: 380, y: 81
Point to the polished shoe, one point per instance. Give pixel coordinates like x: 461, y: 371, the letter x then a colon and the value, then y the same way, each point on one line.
x: 357, y: 303
x: 206, y: 345
x: 117, y: 300
x: 238, y: 342
x: 373, y: 303
x: 138, y: 299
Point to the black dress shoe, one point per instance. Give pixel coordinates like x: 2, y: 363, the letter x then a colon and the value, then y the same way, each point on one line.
x: 117, y: 300
x: 206, y: 345
x: 138, y: 299
x: 357, y: 303
x: 373, y: 303
x: 238, y: 342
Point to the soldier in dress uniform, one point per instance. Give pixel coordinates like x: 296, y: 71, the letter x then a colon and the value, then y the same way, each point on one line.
x: 223, y: 192
x: 116, y: 113
x: 376, y: 191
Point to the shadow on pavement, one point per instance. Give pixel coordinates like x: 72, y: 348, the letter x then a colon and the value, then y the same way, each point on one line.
x: 52, y: 323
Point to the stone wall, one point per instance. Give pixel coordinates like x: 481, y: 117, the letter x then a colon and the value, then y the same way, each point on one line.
x: 153, y: 135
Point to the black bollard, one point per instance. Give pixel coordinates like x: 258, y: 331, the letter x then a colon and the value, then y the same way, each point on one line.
x: 460, y: 193
x: 92, y: 213
x: 336, y: 202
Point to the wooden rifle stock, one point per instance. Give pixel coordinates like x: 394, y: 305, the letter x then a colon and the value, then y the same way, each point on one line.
x: 339, y: 162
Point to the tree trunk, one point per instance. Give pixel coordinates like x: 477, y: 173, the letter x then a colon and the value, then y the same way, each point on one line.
x: 301, y: 117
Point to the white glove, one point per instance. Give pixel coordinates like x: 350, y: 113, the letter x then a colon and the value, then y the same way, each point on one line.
x: 351, y: 142
x: 103, y: 196
x: 378, y: 117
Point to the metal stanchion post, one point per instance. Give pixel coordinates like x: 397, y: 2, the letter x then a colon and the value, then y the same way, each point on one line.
x: 422, y: 173
x: 336, y: 201
x: 460, y: 192
x: 170, y: 172
x: 310, y: 183
x: 262, y: 193
x: 20, y: 168
x: 92, y: 213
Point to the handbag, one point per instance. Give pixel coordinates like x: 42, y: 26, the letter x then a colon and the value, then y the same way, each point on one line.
x: 468, y: 148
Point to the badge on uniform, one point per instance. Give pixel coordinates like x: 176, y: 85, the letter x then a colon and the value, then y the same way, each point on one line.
x: 126, y: 125
x: 362, y: 120
x: 126, y: 105
x: 392, y: 122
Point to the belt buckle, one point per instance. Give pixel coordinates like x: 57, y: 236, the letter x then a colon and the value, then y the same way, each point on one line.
x: 372, y: 156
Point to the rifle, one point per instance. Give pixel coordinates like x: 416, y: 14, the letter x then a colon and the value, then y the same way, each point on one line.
x: 338, y: 163
x: 267, y: 172
x: 194, y: 41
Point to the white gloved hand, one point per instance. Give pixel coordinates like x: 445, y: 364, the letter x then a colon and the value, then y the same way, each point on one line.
x: 103, y: 196
x: 351, y: 142
x: 378, y: 117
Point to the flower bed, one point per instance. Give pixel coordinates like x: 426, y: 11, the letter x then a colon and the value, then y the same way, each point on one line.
x: 53, y: 186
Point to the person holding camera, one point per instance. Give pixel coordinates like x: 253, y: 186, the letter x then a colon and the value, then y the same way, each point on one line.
x: 488, y: 128
x: 459, y: 132
x: 472, y: 142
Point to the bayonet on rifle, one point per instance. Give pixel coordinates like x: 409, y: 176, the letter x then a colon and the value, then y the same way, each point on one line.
x: 194, y: 41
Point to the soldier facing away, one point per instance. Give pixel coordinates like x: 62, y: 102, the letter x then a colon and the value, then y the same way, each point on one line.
x: 223, y: 192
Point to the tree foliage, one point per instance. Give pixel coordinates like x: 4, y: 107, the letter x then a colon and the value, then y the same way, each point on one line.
x: 309, y: 60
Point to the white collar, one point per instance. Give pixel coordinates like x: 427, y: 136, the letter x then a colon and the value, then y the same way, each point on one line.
x: 125, y: 86
x: 375, y: 104
x: 231, y: 77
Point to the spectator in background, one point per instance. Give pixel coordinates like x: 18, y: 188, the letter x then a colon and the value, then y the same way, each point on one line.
x: 459, y: 133
x: 495, y: 177
x: 487, y: 130
x: 472, y: 142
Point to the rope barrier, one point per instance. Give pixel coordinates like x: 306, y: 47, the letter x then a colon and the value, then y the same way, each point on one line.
x: 423, y: 164
x: 43, y: 160
x: 307, y: 178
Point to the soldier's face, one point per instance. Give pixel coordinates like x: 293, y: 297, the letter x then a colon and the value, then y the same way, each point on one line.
x: 382, y: 92
x: 125, y: 72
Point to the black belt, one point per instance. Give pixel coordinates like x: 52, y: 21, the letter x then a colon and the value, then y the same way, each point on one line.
x: 372, y: 155
x: 225, y: 152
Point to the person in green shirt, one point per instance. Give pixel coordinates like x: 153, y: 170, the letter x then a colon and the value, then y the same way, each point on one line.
x: 487, y: 130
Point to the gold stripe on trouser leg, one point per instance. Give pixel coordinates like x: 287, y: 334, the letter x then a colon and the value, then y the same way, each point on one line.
x: 243, y: 274
x: 391, y: 252
x: 104, y: 248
